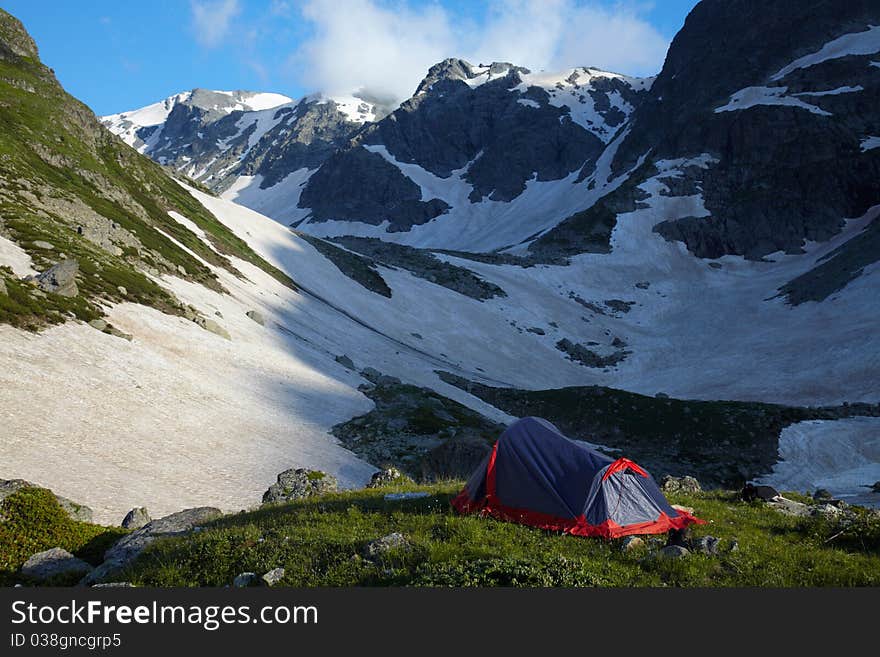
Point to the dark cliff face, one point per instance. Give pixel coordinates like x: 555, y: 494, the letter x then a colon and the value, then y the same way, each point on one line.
x: 502, y: 131
x: 785, y: 173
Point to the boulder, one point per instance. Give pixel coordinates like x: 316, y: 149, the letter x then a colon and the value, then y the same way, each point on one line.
x: 385, y: 476
x: 76, y: 511
x: 631, y: 543
x: 98, y: 324
x: 673, y: 552
x: 136, y: 518
x: 126, y: 549
x: 53, y: 563
x: 706, y: 545
x: 122, y: 290
x: 789, y: 507
x: 371, y: 374
x: 45, y: 246
x: 455, y: 458
x: 299, y: 483
x: 687, y: 484
x: 255, y: 316
x: 213, y: 327
x: 876, y: 487
x: 60, y: 278
x: 3, y: 289
x: 243, y: 580
x: 273, y: 577
x: 346, y: 362
x: 750, y: 493
x: 380, y: 546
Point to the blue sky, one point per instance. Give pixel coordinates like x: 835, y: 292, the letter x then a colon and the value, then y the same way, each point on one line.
x: 117, y: 55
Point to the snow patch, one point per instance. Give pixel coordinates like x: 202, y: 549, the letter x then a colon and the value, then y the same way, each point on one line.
x: 278, y: 201
x: 870, y: 143
x: 854, y: 43
x: 841, y: 456
x: 15, y: 257
x: 754, y: 96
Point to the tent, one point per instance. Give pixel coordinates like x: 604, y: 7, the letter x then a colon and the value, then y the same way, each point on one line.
x: 536, y: 476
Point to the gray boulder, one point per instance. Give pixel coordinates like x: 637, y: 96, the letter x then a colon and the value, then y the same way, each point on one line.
x: 299, y: 483
x: 631, y: 543
x: 126, y: 549
x: 380, y: 546
x: 255, y: 316
x: 673, y: 552
x: 136, y: 518
x: 687, y: 484
x: 244, y: 580
x: 76, y: 511
x: 213, y: 327
x: 273, y: 577
x: 346, y: 362
x: 60, y: 278
x: 706, y: 545
x: 53, y: 563
x: 384, y: 476
x: 789, y: 507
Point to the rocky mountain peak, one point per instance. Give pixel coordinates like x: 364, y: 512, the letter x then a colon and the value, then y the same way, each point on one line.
x: 14, y: 37
x: 454, y: 68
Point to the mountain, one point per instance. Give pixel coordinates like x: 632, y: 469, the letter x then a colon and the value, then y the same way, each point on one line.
x: 252, y: 140
x: 504, y: 243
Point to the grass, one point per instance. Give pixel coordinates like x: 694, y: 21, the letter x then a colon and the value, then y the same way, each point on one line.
x: 33, y: 521
x: 319, y: 542
x: 51, y: 145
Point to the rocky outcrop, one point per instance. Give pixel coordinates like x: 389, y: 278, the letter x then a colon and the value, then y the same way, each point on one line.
x: 384, y: 477
x: 60, y: 279
x: 136, y: 518
x: 299, y: 483
x: 129, y: 547
x: 409, y: 422
x: 380, y: 546
x: 686, y: 484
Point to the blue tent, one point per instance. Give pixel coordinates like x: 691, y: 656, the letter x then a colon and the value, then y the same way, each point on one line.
x: 536, y: 476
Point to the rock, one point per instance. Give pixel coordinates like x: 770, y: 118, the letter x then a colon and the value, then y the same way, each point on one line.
x: 75, y: 510
x: 3, y: 289
x: 213, y: 327
x: 826, y: 510
x: 789, y: 507
x: 255, y: 316
x: 386, y: 380
x: 734, y: 545
x: 706, y: 545
x: 876, y: 487
x: 299, y: 483
x: 681, y: 507
x: 384, y: 476
x: 243, y: 580
x: 119, y: 334
x: 136, y: 518
x: 455, y: 458
x: 673, y: 552
x: 822, y: 495
x: 98, y: 324
x: 113, y: 585
x: 127, y: 548
x: 52, y: 563
x: 750, y: 493
x: 393, y: 541
x: 60, y: 279
x: 370, y: 374
x: 46, y: 246
x: 346, y: 362
x: 631, y: 543
x: 181, y: 270
x: 687, y: 484
x: 273, y: 577
x: 121, y: 289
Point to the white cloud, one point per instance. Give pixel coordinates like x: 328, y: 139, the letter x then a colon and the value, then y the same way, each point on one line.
x: 387, y: 48
x: 212, y: 20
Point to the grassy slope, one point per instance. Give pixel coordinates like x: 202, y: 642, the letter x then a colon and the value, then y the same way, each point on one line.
x: 33, y: 521
x: 51, y: 144
x: 316, y: 541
